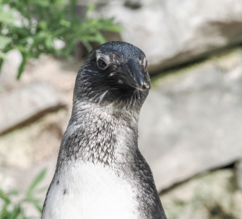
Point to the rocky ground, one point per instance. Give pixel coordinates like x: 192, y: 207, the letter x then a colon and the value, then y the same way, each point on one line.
x: 190, y: 125
x: 212, y: 195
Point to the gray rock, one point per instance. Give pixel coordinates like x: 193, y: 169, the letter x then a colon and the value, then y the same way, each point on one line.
x: 26, y: 104
x: 212, y: 195
x: 191, y: 121
x: 172, y: 32
x: 34, y: 143
x: 239, y: 174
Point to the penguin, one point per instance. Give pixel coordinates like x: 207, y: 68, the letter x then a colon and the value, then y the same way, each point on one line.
x: 100, y: 172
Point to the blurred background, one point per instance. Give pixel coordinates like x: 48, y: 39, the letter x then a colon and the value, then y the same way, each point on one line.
x: 190, y: 125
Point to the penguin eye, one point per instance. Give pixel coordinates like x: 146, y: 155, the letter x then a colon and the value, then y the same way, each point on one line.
x: 101, y: 64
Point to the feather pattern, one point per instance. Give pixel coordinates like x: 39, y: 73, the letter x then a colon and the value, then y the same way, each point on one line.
x: 100, y: 172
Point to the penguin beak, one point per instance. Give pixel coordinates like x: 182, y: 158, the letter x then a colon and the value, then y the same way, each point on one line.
x: 134, y: 77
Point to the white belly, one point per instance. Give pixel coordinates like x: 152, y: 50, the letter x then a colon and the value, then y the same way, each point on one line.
x: 91, y: 192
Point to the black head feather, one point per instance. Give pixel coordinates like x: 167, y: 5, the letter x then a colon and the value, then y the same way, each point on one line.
x: 114, y: 73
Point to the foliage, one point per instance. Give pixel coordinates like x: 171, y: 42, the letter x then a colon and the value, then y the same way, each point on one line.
x: 12, y: 205
x: 34, y: 26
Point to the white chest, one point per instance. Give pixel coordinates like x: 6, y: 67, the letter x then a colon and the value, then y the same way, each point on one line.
x: 88, y: 191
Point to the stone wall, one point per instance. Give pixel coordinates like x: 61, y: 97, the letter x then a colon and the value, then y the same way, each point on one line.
x: 190, y: 125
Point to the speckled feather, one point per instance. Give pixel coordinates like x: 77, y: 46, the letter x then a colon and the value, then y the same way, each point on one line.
x: 100, y: 172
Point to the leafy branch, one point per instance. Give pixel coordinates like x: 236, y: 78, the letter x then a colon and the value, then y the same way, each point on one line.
x: 34, y: 26
x: 11, y: 209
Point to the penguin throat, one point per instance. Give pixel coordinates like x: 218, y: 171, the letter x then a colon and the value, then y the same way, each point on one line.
x: 100, y: 135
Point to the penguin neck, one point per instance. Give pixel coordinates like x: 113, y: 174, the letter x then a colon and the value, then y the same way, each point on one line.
x: 104, y: 134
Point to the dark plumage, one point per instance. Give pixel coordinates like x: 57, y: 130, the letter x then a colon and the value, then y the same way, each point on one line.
x: 100, y: 171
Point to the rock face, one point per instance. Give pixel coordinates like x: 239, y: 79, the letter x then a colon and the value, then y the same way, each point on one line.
x: 191, y: 121
x: 172, y: 32
x: 34, y: 143
x: 27, y: 103
x: 211, y: 196
x: 239, y: 174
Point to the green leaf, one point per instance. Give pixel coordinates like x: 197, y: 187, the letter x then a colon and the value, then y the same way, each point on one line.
x: 43, y: 189
x: 3, y: 55
x: 41, y: 3
x: 100, y: 38
x: 41, y: 21
x: 87, y: 45
x: 22, y: 65
x: 16, y: 212
x: 90, y: 9
x: 36, y: 204
x: 65, y: 23
x: 4, y: 41
x: 61, y: 2
x: 49, y: 42
x: 13, y: 192
x: 43, y: 25
x: 68, y: 49
x: 21, y: 48
x: 36, y: 181
x: 6, y: 16
x: 4, y: 197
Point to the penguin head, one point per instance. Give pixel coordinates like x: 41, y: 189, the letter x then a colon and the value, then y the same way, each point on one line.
x: 114, y: 73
